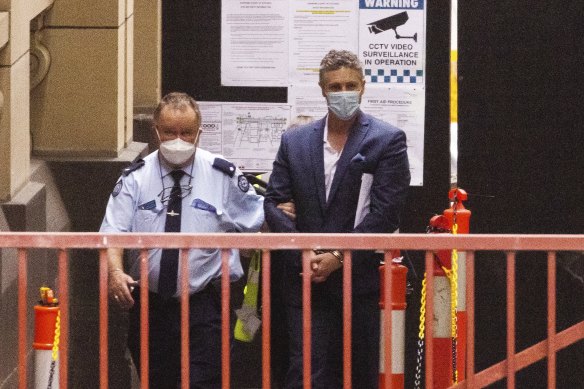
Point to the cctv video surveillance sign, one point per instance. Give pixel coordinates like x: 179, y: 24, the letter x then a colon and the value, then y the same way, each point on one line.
x: 392, y: 41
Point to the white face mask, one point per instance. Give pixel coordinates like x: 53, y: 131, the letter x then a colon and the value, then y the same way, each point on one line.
x: 344, y: 104
x: 177, y: 151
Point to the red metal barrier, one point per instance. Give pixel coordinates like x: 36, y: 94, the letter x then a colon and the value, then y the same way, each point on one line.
x: 424, y: 242
x: 392, y: 352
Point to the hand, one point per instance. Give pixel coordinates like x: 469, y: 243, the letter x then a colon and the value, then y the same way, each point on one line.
x: 120, y: 286
x: 322, y: 265
x: 289, y: 209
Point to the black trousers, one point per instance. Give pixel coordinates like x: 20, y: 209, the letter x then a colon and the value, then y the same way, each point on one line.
x: 165, y: 338
x: 327, y: 343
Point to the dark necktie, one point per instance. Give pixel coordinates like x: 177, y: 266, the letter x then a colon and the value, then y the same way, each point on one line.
x: 169, y: 258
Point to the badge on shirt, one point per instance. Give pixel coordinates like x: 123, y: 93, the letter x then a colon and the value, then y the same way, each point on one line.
x: 200, y: 204
x: 117, y: 188
x: 148, y: 205
x: 243, y: 183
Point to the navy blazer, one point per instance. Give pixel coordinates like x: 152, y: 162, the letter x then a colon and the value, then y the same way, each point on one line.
x: 373, y: 146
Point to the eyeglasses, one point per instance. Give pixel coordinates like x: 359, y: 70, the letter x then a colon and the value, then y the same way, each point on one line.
x: 170, y: 191
x: 173, y: 133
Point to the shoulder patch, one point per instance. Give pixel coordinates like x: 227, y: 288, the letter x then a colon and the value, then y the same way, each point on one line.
x: 117, y: 188
x: 134, y: 166
x: 243, y: 183
x: 224, y: 166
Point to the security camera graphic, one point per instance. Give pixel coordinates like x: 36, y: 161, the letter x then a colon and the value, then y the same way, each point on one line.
x: 391, y: 23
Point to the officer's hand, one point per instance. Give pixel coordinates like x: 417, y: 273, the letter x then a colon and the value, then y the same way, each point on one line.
x: 120, y: 286
x: 289, y: 209
x: 322, y: 265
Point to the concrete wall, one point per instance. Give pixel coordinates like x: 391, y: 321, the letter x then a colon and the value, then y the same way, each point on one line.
x: 82, y: 106
x: 147, y: 53
x: 67, y: 94
x: 25, y: 212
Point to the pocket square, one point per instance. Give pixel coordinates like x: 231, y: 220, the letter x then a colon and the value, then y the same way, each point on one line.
x: 358, y: 158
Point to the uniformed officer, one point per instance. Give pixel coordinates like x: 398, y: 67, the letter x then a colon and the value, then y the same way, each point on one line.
x: 204, y: 193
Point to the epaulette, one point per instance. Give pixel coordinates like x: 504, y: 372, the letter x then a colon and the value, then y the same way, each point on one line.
x: 224, y: 166
x: 134, y: 166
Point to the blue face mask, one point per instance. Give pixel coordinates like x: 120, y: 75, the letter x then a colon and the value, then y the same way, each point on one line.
x: 344, y: 104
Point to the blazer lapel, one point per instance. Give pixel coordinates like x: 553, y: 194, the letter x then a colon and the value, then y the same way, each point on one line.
x: 317, y: 160
x: 351, y: 148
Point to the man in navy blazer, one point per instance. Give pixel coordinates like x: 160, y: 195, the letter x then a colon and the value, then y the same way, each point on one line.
x: 318, y: 174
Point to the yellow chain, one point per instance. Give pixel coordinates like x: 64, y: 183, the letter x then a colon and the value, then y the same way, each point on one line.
x: 453, y: 306
x: 421, y: 334
x: 423, y: 310
x: 57, y: 336
x: 452, y: 276
x: 454, y: 288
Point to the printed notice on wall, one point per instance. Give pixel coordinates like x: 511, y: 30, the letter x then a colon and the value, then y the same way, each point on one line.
x: 254, y: 43
x: 392, y: 41
x: 247, y: 134
x: 307, y: 100
x: 404, y: 108
x: 315, y: 28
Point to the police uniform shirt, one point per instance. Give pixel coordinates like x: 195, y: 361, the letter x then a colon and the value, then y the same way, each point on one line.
x: 221, y: 200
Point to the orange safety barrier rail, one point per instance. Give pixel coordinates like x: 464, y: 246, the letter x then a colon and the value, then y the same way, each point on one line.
x: 386, y: 242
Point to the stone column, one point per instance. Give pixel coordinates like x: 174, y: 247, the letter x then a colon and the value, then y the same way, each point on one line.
x: 83, y: 107
x: 147, y: 41
x: 14, y: 86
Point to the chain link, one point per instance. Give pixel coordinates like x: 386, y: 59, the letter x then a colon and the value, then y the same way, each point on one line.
x: 454, y: 298
x: 419, y: 360
x: 55, y: 353
x: 454, y: 311
x: 51, y: 374
x: 421, y: 334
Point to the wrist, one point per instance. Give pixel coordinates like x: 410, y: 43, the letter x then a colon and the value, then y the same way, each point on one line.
x: 338, y: 255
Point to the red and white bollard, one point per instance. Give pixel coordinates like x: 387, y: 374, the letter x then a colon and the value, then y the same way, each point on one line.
x: 459, y: 215
x: 46, y: 317
x: 455, y: 220
x: 442, y: 350
x: 398, y: 321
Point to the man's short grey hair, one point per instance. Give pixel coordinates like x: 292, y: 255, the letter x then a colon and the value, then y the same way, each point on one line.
x: 177, y: 100
x: 336, y: 59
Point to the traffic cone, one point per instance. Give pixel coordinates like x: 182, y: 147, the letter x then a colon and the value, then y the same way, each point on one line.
x: 45, y: 342
x: 398, y: 319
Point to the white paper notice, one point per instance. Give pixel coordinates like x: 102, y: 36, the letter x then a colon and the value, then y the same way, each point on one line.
x: 404, y: 108
x: 247, y: 134
x: 364, y: 198
x: 392, y: 41
x: 307, y: 100
x: 317, y: 27
x: 254, y: 42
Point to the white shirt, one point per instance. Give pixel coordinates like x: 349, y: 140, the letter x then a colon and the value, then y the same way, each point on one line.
x: 331, y: 159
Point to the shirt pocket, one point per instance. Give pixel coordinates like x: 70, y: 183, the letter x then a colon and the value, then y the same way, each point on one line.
x: 356, y: 167
x: 149, y: 219
x: 202, y: 220
x: 354, y: 173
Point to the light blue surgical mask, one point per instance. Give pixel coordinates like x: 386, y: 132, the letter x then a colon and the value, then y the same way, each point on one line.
x: 344, y: 104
